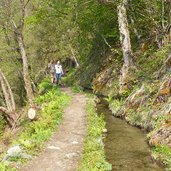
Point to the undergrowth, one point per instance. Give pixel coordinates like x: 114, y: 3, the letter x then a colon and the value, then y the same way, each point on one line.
x: 93, y: 158
x: 150, y: 62
x: 162, y: 153
x: 35, y: 133
x: 70, y: 80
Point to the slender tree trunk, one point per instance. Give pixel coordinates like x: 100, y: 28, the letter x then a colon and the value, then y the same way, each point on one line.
x: 5, y: 93
x: 162, y: 15
x: 163, y: 23
x: 134, y: 28
x: 126, y: 45
x: 73, y: 55
x: 169, y: 1
x: 6, y: 115
x: 132, y: 17
x: 124, y: 33
x: 3, y: 109
x: 9, y: 110
x: 18, y: 30
x: 9, y: 91
x: 26, y: 75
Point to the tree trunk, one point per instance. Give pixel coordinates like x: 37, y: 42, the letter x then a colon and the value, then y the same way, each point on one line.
x: 18, y: 30
x: 163, y: 23
x: 9, y: 91
x: 73, y: 55
x: 162, y: 15
x: 9, y: 110
x: 26, y: 75
x: 124, y: 33
x: 6, y: 115
x: 134, y: 28
x: 169, y: 1
x: 126, y: 45
x: 5, y: 93
x: 132, y: 19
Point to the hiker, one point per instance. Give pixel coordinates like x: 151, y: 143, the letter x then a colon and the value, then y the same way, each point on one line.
x: 51, y: 67
x: 59, y: 72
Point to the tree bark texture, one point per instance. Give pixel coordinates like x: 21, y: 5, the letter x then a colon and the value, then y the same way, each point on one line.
x: 126, y: 44
x: 18, y: 30
x: 124, y: 33
x: 26, y: 75
x: 169, y: 30
x: 9, y: 91
x: 5, y: 93
x: 73, y: 55
x: 9, y: 110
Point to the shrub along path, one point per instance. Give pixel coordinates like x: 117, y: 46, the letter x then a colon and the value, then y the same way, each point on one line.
x: 62, y: 152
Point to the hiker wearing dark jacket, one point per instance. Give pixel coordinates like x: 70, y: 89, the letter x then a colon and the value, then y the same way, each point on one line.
x: 51, y: 67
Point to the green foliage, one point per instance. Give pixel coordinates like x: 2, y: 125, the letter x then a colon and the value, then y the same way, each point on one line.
x: 44, y: 86
x: 115, y: 106
x: 76, y: 88
x: 53, y: 103
x: 35, y: 133
x: 93, y: 154
x: 5, y: 166
x: 52, y: 29
x: 160, y: 119
x: 96, y: 18
x: 69, y: 80
x: 134, y: 118
x: 163, y: 152
x: 151, y: 61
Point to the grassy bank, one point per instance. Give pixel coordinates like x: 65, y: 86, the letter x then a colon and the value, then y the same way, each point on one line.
x: 35, y: 133
x: 93, y: 158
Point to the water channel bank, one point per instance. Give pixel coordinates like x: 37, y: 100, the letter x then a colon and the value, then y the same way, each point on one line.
x: 125, y: 146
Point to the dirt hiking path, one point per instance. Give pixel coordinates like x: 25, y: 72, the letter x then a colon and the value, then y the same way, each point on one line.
x: 63, y: 151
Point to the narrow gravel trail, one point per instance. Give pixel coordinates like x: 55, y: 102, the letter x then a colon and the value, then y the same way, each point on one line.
x: 63, y: 151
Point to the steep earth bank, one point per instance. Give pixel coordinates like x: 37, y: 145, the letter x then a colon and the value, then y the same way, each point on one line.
x: 146, y: 102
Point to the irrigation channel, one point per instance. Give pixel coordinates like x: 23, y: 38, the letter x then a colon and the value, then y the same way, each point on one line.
x: 125, y: 146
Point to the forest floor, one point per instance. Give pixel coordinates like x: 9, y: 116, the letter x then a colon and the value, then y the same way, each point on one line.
x: 64, y: 149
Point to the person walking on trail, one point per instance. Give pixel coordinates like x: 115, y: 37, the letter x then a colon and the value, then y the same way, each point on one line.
x: 51, y: 67
x: 59, y: 72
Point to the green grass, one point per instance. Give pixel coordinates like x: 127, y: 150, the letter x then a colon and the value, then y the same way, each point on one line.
x: 35, y: 133
x: 163, y: 153
x: 93, y: 158
x: 5, y: 166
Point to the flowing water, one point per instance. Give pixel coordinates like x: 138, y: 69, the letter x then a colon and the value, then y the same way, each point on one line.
x: 125, y: 146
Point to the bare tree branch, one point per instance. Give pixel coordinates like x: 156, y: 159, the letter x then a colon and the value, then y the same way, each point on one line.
x: 4, y: 110
x: 22, y: 14
x: 106, y: 42
x: 26, y: 3
x: 10, y: 91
